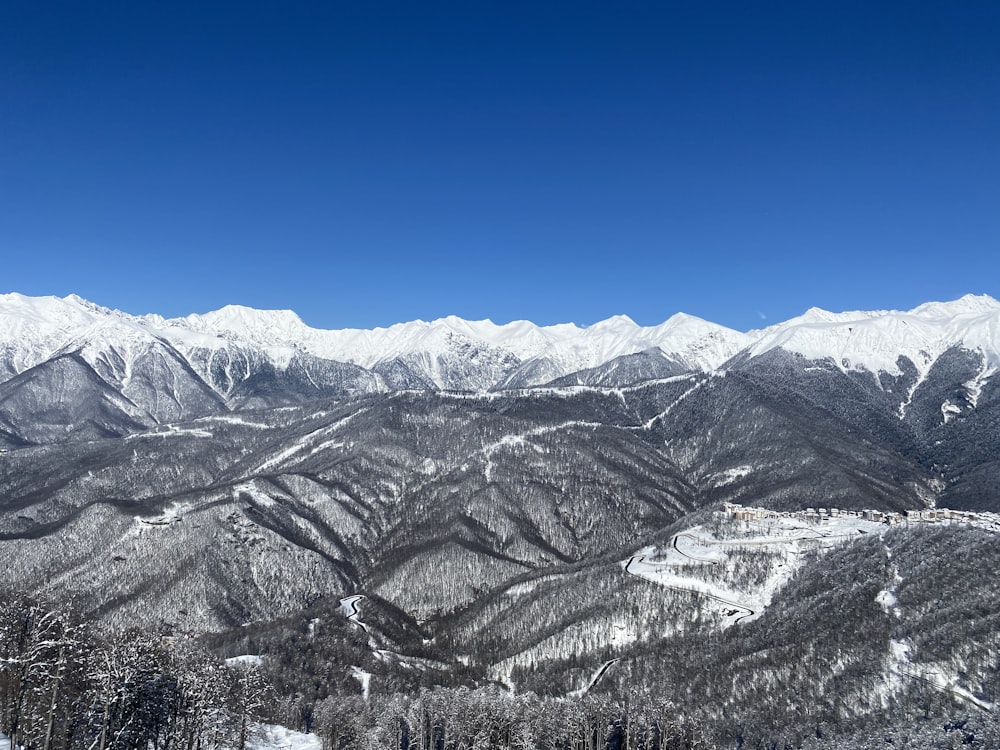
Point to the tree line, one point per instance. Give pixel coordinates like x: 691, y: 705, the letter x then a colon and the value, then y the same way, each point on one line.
x: 63, y: 686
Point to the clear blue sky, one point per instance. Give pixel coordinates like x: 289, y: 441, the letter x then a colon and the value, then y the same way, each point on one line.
x: 371, y: 162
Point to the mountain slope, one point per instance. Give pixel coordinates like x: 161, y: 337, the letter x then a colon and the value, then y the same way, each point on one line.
x: 875, y: 341
x: 543, y: 508
x: 426, y: 498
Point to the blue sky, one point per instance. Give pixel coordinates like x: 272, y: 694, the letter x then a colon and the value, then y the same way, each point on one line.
x: 371, y: 162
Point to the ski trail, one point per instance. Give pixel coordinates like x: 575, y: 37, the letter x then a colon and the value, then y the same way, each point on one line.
x: 307, y: 441
x: 648, y: 425
x: 596, y: 678
x: 523, y: 438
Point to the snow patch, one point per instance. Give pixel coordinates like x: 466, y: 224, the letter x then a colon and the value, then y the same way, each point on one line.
x: 275, y: 737
x: 949, y: 411
x: 256, y: 495
x: 235, y: 420
x: 975, y: 386
x: 731, y: 475
x: 245, y: 660
x: 887, y: 600
x: 365, y: 678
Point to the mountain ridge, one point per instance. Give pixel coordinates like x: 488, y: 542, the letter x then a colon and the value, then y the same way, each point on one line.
x: 151, y: 370
x: 50, y: 324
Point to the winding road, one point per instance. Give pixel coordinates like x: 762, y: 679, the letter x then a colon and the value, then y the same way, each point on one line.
x: 350, y: 606
x: 682, y: 553
x: 738, y: 606
x: 815, y: 535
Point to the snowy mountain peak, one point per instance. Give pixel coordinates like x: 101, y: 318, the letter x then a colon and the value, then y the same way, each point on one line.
x: 681, y: 318
x: 819, y: 315
x: 274, y: 329
x: 679, y: 322
x: 875, y: 340
x: 238, y: 318
x: 614, y: 323
x: 44, y: 308
x: 92, y: 307
x: 970, y: 304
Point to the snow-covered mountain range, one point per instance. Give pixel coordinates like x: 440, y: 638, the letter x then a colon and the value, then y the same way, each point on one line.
x: 228, y: 347
x: 505, y: 500
x: 70, y: 369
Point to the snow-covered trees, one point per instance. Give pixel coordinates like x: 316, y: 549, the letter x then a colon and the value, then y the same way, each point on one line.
x: 491, y: 719
x: 64, y: 686
x: 39, y: 651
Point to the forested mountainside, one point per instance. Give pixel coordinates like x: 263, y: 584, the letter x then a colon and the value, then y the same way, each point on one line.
x: 562, y: 550
x: 868, y: 637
